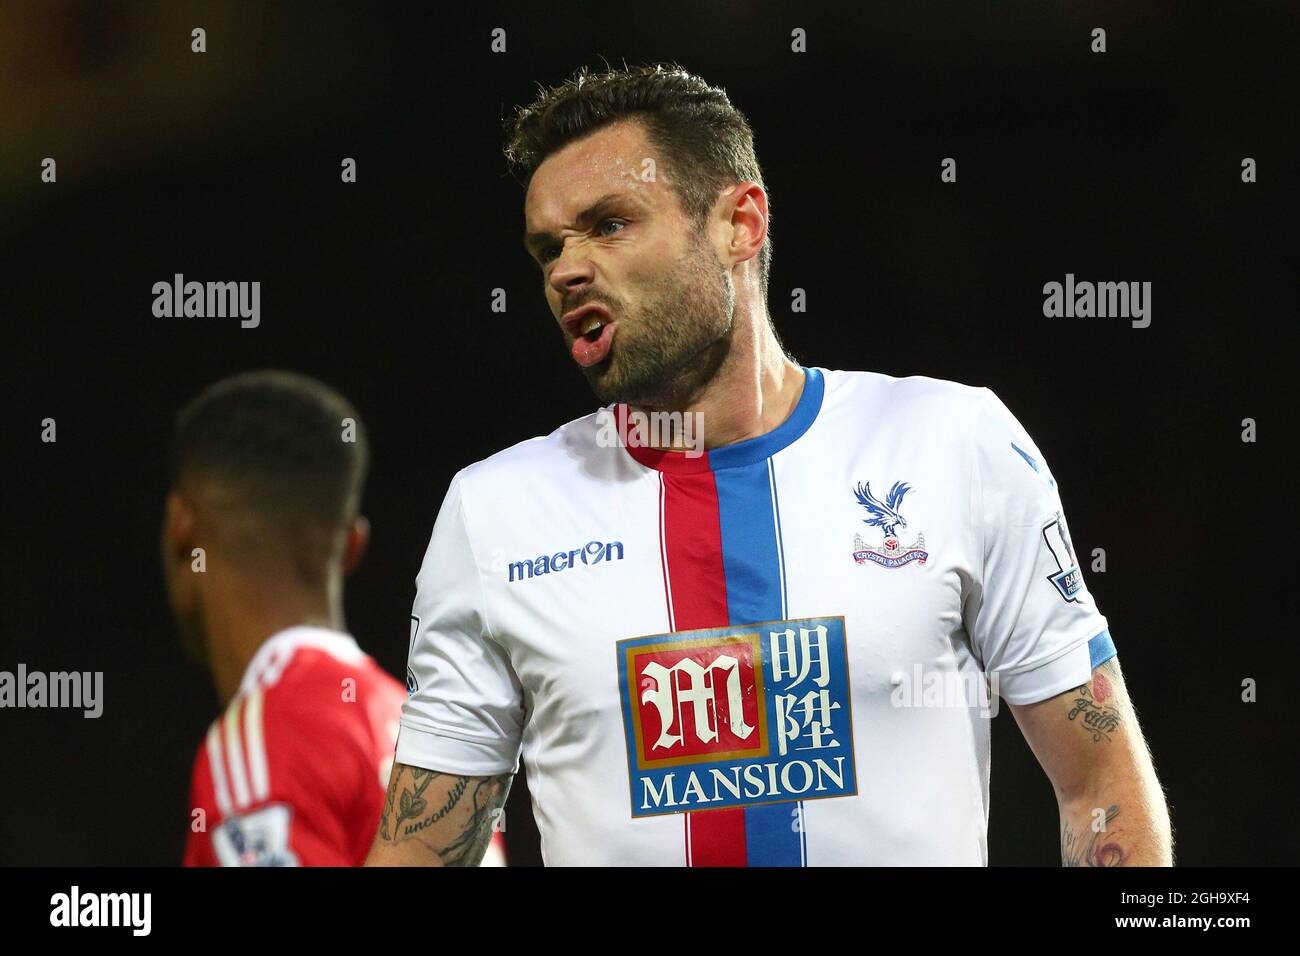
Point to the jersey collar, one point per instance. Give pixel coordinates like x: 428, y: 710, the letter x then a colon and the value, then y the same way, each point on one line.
x: 746, y: 452
x: 271, y: 658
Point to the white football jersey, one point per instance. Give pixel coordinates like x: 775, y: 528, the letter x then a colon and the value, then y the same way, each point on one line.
x: 775, y: 653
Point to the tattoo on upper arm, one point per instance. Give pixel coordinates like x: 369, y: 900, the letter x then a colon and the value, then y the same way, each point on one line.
x: 467, y: 806
x: 1096, y: 702
x: 1102, y: 848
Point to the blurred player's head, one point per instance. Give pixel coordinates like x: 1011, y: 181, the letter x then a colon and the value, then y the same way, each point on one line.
x: 267, y: 473
x: 677, y: 254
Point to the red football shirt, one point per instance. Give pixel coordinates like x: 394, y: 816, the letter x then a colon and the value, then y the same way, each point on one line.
x: 294, y: 773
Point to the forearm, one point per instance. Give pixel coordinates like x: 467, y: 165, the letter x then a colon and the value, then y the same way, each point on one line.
x: 437, y: 819
x: 1112, y: 807
x: 1120, y: 821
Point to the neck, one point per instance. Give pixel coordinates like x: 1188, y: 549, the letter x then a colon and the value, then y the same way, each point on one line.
x: 754, y: 389
x: 245, y: 610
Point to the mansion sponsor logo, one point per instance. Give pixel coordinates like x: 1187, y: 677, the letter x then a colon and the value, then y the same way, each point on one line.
x: 76, y: 689
x: 210, y: 300
x: 743, y: 783
x: 1124, y: 300
x: 103, y: 909
x: 932, y: 688
x: 733, y: 716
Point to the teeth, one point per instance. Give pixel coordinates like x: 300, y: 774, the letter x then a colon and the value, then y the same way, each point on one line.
x: 590, y: 325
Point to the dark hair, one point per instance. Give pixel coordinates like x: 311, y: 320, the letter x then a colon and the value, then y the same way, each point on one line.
x: 706, y: 140
x: 267, y: 448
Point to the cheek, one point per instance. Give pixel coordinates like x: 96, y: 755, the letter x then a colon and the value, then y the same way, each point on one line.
x: 663, y: 255
x: 181, y: 585
x: 176, y: 584
x: 645, y: 276
x: 553, y: 305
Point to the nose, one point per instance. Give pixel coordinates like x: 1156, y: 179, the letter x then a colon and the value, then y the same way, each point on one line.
x: 571, y: 274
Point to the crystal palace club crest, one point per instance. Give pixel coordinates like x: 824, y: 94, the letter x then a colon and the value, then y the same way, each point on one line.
x: 885, y: 515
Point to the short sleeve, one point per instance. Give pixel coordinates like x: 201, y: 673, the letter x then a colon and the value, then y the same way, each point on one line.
x: 276, y: 778
x: 1032, y: 621
x: 464, y: 711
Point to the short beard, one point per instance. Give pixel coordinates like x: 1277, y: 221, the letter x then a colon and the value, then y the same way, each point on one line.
x: 678, y: 341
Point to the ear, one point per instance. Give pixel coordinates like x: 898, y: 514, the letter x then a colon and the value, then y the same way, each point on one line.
x: 178, y: 528
x: 355, y: 546
x: 748, y: 207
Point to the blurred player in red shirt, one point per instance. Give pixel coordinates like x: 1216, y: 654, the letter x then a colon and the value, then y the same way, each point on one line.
x: 262, y: 523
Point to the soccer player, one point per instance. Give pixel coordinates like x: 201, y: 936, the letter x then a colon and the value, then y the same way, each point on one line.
x: 261, y: 526
x: 773, y: 647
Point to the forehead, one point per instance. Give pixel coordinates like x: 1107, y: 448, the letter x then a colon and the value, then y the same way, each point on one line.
x: 610, y: 160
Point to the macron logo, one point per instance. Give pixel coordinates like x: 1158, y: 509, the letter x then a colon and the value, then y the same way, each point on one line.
x: 593, y: 552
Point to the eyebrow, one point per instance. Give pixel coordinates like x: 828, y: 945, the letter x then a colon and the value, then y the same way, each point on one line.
x: 533, y: 241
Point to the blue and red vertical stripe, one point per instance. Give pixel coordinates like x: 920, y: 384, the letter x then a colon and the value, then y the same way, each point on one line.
x: 723, y: 565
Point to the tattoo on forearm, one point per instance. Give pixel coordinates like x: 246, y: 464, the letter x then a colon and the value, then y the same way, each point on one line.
x: 1099, y: 848
x: 388, y: 810
x: 471, y: 843
x: 466, y: 806
x: 1095, y: 702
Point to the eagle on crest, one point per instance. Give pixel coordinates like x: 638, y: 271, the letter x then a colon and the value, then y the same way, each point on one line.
x: 884, y: 514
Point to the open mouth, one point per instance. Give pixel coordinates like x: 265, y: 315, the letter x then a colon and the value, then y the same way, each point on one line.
x: 586, y: 319
x: 592, y: 341
x: 591, y: 326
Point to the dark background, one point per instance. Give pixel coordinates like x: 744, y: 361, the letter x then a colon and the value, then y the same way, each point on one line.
x: 1123, y: 166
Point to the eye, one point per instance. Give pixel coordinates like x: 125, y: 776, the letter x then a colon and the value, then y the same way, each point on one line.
x: 546, y: 253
